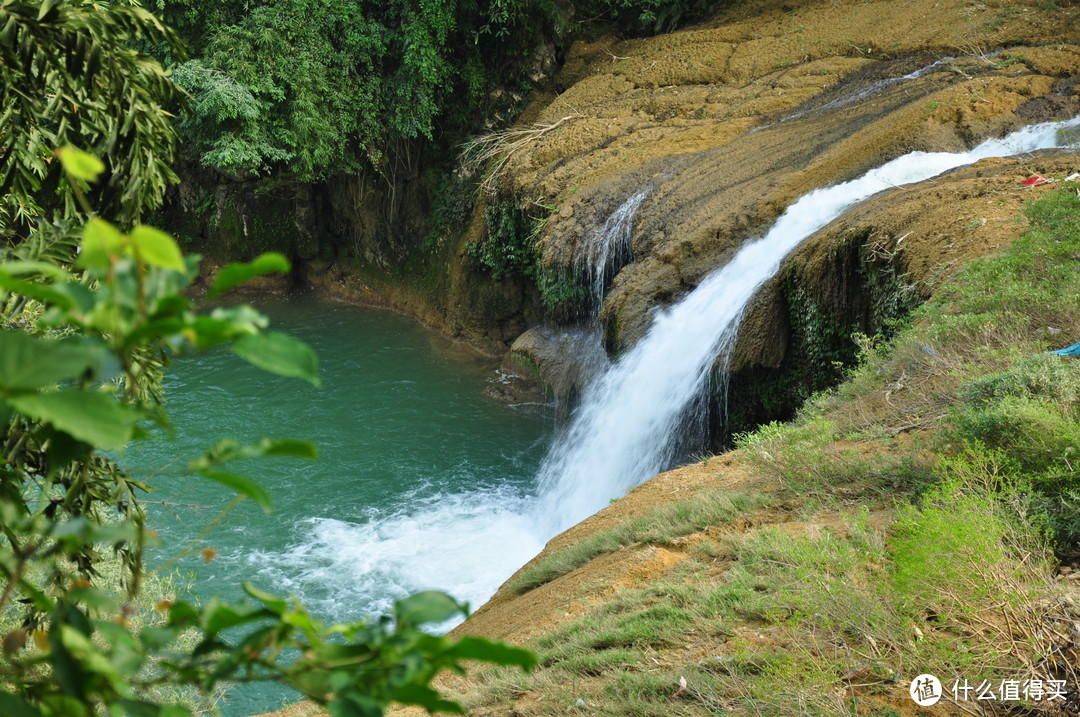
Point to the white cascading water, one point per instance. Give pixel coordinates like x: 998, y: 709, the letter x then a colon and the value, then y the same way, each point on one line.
x: 609, y: 244
x: 624, y: 431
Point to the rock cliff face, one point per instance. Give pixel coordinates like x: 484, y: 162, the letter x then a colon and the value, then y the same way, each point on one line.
x: 721, y: 126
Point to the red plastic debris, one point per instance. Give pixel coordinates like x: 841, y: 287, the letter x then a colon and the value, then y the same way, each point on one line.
x: 1034, y: 181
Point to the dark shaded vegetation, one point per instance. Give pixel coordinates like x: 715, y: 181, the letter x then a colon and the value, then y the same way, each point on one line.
x: 306, y: 89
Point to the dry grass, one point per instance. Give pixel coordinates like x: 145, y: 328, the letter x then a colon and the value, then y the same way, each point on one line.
x: 494, y: 150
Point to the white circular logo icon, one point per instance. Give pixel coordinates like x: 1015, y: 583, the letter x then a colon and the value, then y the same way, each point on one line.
x: 926, y: 690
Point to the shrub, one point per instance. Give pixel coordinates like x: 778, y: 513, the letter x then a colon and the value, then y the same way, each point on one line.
x: 1040, y: 438
x: 1028, y: 414
x: 1045, y: 375
x: 509, y: 246
x: 562, y: 292
x: 647, y: 16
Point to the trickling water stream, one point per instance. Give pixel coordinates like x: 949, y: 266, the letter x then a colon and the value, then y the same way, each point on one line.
x: 860, y: 93
x: 607, y: 247
x: 626, y: 428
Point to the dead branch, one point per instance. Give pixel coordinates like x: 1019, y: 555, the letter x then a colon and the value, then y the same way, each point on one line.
x: 499, y: 147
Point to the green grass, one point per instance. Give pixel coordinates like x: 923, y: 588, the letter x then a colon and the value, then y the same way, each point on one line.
x: 970, y: 369
x: 809, y: 458
x: 962, y: 566
x: 659, y: 525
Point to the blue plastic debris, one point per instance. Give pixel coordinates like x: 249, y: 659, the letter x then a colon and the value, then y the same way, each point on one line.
x: 1073, y: 350
x: 929, y: 350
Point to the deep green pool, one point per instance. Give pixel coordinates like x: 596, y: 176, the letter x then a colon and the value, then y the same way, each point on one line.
x: 421, y: 483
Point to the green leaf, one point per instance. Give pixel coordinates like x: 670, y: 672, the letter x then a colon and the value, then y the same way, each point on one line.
x: 336, y: 655
x: 86, y: 415
x: 42, y: 292
x: 134, y: 708
x: 242, y: 485
x: 78, y: 296
x: 28, y: 362
x: 479, y: 648
x: 287, y: 447
x: 355, y: 704
x: 220, y: 616
x: 36, y: 597
x: 157, y: 248
x: 46, y: 8
x: 426, y: 697
x: 228, y: 449
x: 155, y: 638
x: 101, y: 242
x: 57, y: 705
x: 13, y: 706
x: 63, y: 450
x: 38, y: 268
x: 424, y: 607
x: 93, y: 598
x: 281, y: 354
x: 153, y: 330
x: 90, y: 658
x: 79, y: 164
x: 302, y: 621
x: 276, y: 604
x: 182, y: 613
x: 234, y: 274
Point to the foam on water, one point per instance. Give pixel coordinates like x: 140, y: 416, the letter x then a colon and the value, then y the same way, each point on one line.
x: 466, y: 544
x: 626, y: 428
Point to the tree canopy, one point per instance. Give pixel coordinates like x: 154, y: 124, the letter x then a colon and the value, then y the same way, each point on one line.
x: 313, y: 87
x: 69, y: 73
x: 309, y: 88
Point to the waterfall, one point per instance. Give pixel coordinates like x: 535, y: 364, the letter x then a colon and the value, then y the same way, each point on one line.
x: 626, y: 427
x: 607, y: 247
